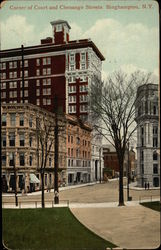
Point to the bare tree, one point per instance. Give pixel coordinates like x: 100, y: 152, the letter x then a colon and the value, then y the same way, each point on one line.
x: 113, y: 105
x: 45, y: 141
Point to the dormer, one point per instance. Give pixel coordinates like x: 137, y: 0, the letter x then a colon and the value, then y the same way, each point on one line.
x: 60, y: 30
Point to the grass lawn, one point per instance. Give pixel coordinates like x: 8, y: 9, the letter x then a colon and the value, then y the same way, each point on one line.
x: 155, y: 205
x: 48, y: 229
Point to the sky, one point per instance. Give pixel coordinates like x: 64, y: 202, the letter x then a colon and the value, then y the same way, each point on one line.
x: 126, y: 32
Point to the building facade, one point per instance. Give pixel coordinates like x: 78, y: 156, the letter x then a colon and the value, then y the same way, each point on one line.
x: 148, y: 139
x: 26, y: 128
x: 56, y: 67
x: 78, y: 143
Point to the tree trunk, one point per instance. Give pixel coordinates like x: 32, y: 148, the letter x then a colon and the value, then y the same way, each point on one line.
x: 121, y: 189
x: 42, y: 190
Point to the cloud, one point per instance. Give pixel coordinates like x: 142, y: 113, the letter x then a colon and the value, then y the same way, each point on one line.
x: 16, y: 31
x: 132, y: 43
x: 75, y: 32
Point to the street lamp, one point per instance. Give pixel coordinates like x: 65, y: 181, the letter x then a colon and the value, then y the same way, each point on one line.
x: 15, y: 178
x: 128, y: 173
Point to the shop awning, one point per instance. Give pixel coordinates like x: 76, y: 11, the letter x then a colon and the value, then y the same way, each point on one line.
x: 34, y: 179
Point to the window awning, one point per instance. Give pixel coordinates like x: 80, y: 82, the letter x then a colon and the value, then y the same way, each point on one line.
x: 34, y: 179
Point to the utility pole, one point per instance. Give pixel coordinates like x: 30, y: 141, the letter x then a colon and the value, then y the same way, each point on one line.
x: 128, y: 198
x: 15, y: 178
x: 56, y: 188
x: 23, y: 85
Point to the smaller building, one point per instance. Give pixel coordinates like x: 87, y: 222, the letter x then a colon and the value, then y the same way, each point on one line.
x: 111, y: 164
x: 78, y: 143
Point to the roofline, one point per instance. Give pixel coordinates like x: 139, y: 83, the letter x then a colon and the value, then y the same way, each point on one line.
x: 70, y: 44
x: 59, y: 22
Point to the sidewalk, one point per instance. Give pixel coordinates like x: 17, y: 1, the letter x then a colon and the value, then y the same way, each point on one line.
x: 129, y: 227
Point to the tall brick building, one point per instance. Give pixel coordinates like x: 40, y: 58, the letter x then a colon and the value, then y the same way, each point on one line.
x: 57, y: 66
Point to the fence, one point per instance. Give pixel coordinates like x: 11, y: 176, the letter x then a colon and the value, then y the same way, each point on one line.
x: 35, y: 204
x: 148, y: 198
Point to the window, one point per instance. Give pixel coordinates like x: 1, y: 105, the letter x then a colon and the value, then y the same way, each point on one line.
x: 37, y: 82
x: 25, y: 63
x: 37, y: 92
x: 72, y: 89
x: 22, y: 140
x: 72, y: 99
x: 68, y: 151
x: 30, y: 160
x: 11, y: 159
x: 83, y: 98
x: 50, y: 161
x: 69, y: 163
x: 37, y: 61
x: 3, y: 75
x: 71, y: 139
x: 12, y: 139
x: 46, y: 61
x: 155, y: 142
x: 47, y: 71
x: 155, y: 168
x: 13, y: 119
x: 72, y: 152
x: 155, y: 156
x: 72, y: 67
x: 37, y: 72
x: 71, y: 79
x: 3, y: 85
x: 3, y: 140
x: 83, y: 88
x: 142, y: 168
x: 72, y: 58
x: 3, y: 94
x: 3, y: 65
x: 83, y: 108
x: 25, y: 93
x: 25, y: 73
x: 59, y: 27
x: 154, y: 110
x: 47, y: 81
x: 78, y: 140
x: 13, y: 74
x: 21, y: 119
x: 25, y: 84
x: 47, y: 91
x: 83, y: 66
x: 72, y: 109
x: 12, y: 65
x: 46, y: 101
x: 83, y: 56
x: 13, y: 94
x: 22, y: 159
x: 3, y: 159
x: 4, y: 123
x: 13, y: 85
x: 38, y: 102
x: 30, y: 122
x: 155, y: 130
x: 30, y: 141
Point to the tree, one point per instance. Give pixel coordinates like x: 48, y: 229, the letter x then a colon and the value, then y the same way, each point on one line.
x: 45, y: 141
x: 112, y: 105
x: 49, y: 130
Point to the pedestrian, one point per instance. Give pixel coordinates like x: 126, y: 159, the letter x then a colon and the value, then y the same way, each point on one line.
x: 148, y: 185
x: 145, y: 185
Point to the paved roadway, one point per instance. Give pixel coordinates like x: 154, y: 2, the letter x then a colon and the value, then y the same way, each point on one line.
x: 96, y: 206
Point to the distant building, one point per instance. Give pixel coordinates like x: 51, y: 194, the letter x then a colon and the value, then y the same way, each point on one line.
x: 148, y: 139
x: 111, y: 164
x: 20, y: 148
